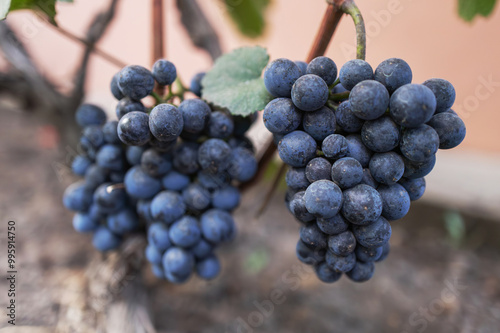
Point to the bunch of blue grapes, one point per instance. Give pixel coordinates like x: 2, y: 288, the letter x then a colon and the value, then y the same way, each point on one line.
x: 170, y: 171
x: 358, y: 146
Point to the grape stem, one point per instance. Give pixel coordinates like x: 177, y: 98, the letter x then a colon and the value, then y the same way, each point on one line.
x: 157, y: 97
x: 339, y: 97
x: 158, y: 25
x: 349, y: 7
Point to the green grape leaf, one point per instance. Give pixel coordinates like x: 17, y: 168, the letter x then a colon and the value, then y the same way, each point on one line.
x: 468, y: 9
x: 248, y: 15
x: 47, y: 7
x: 235, y: 83
x: 4, y: 8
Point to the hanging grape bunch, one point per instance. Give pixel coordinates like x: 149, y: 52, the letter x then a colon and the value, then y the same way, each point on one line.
x: 354, y: 167
x: 170, y: 171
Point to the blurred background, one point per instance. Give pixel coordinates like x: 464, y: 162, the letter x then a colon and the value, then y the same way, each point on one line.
x: 443, y: 273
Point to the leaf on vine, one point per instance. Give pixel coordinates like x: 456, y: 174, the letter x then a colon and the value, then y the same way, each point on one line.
x: 235, y: 83
x: 248, y: 15
x: 4, y: 8
x: 468, y: 9
x: 46, y: 7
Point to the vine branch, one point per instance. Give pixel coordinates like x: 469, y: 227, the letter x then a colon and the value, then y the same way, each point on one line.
x: 158, y: 19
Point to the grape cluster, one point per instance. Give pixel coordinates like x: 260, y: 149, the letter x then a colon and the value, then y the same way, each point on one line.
x: 170, y: 170
x: 354, y: 167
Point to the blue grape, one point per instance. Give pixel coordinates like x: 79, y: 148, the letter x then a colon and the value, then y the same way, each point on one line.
x: 347, y: 172
x: 165, y: 122
x: 279, y: 77
x: 214, y: 155
x: 117, y: 176
x: 380, y: 135
x: 323, y: 67
x: 195, y: 85
x: 419, y: 144
x: 444, y: 93
x: 155, y: 163
x: 220, y: 125
x: 195, y: 113
x: 115, y: 90
x: 178, y: 263
x: 110, y: 199
x: 134, y: 154
x: 202, y: 249
x: 387, y: 168
x: 412, y: 105
x: 212, y: 181
x: 110, y: 132
x: 358, y: 150
x: 242, y: 164
x: 317, y: 169
x: 167, y: 207
x: 241, y: 142
x: 186, y: 158
x: 111, y: 157
x: 164, y: 72
x: 133, y: 128
x: 302, y: 66
x: 127, y: 105
x: 326, y: 274
x: 415, y: 170
x: 362, y: 204
x: 136, y: 82
x: 361, y: 272
x: 296, y: 179
x: 368, y: 178
x: 84, y: 223
x: 226, y: 198
x: 196, y: 197
x: 297, y: 148
x: 313, y: 237
x: 94, y: 135
x: 185, y: 232
x: 153, y: 255
x: 77, y: 197
x: 217, y: 226
x: 308, y: 255
x: 393, y: 73
x: 340, y: 263
x: 309, y: 93
x: 335, y: 146
x: 319, y: 124
x: 355, y: 71
x: 365, y: 254
x: 346, y: 119
x: 95, y: 176
x: 395, y: 201
x: 140, y: 185
x: 298, y: 208
x: 342, y: 244
x: 369, y: 100
x: 158, y: 271
x: 162, y: 146
x: 175, y: 181
x: 281, y: 116
x: 123, y: 222
x: 386, y: 248
x: 450, y: 129
x: 208, y: 268
x: 374, y: 234
x: 333, y: 225
x: 414, y: 187
x: 104, y: 240
x: 96, y: 213
x: 158, y: 236
x: 80, y: 165
x: 323, y: 198
x: 89, y: 114
x: 143, y: 209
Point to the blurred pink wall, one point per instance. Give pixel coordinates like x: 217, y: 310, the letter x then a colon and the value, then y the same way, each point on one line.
x: 428, y: 34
